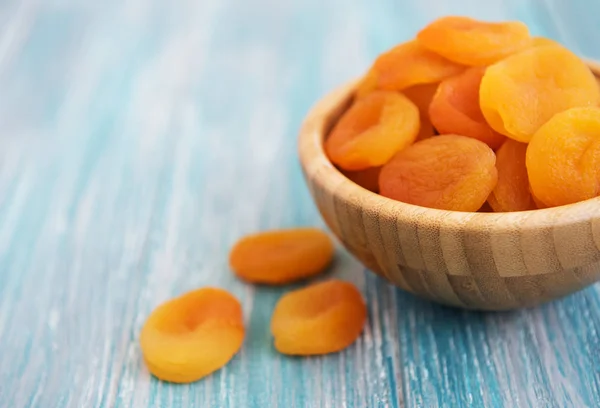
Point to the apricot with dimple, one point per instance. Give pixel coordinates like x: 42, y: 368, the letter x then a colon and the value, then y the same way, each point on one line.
x: 472, y: 42
x: 372, y: 130
x: 322, y: 318
x: 408, y: 64
x: 455, y: 108
x: 448, y: 172
x: 281, y: 256
x: 563, y: 157
x: 512, y: 190
x: 522, y: 92
x: 193, y: 335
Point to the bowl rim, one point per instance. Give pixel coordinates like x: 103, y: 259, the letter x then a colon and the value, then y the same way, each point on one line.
x: 317, y: 168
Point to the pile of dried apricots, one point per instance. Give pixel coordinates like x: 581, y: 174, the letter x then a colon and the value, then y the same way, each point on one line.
x: 467, y: 113
x: 197, y: 333
x: 470, y: 115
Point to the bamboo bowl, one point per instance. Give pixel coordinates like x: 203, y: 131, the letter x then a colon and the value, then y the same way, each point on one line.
x: 484, y: 261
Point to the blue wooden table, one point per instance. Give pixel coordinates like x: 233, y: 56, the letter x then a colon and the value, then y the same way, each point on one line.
x: 139, y: 139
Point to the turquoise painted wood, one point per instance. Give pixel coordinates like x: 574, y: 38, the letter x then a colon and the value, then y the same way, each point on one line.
x: 139, y: 139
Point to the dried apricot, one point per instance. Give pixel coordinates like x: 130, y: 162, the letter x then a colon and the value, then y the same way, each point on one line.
x: 563, y: 157
x: 367, y: 84
x: 522, y: 92
x: 410, y: 64
x: 368, y: 178
x: 448, y: 172
x: 421, y: 95
x: 372, y: 130
x: 193, y: 335
x: 455, y: 108
x: 512, y: 190
x: 541, y: 41
x: 281, y: 256
x: 322, y: 318
x: 468, y: 41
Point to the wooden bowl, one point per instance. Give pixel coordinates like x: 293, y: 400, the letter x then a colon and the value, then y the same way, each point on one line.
x: 485, y: 261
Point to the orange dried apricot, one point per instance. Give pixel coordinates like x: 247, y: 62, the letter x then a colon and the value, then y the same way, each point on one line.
x: 448, y: 172
x: 368, y: 178
x: 468, y: 41
x: 322, y: 318
x: 372, y: 130
x: 522, y: 92
x: 410, y: 64
x: 563, y: 157
x: 367, y: 84
x: 512, y: 190
x: 541, y: 41
x: 281, y: 256
x: 421, y: 95
x: 455, y: 108
x: 193, y: 335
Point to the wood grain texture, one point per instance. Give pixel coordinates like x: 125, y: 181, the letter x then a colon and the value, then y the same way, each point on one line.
x: 140, y: 139
x: 482, y: 261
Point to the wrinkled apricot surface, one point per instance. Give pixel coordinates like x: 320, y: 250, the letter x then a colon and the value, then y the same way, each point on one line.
x: 368, y: 178
x: 281, y: 256
x: 448, y: 172
x: 193, y: 335
x: 372, y: 130
x: 467, y: 41
x: 563, y: 157
x: 512, y: 190
x: 322, y: 318
x: 410, y: 64
x: 523, y: 91
x: 455, y: 108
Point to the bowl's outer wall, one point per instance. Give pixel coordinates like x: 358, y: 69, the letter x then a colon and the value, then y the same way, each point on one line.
x: 469, y: 260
